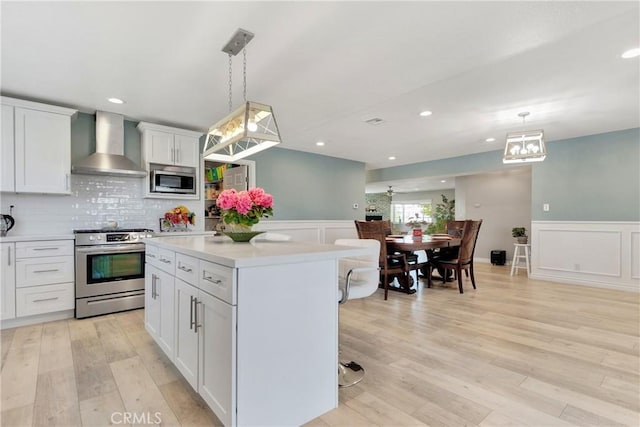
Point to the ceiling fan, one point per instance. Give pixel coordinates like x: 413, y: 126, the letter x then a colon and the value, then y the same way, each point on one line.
x: 391, y: 192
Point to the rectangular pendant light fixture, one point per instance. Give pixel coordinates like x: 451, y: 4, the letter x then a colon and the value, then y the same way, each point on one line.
x: 524, y: 146
x: 247, y: 130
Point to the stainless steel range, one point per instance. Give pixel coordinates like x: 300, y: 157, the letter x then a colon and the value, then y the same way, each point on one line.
x: 109, y: 270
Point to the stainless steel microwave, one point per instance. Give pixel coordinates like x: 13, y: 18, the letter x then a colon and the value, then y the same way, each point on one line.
x: 163, y: 181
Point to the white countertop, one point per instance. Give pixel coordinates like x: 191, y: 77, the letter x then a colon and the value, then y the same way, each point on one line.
x: 221, y: 250
x: 34, y: 237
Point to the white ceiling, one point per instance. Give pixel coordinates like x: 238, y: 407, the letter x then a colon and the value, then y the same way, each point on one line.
x: 326, y: 67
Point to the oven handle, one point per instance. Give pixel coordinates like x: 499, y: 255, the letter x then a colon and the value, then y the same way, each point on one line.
x: 107, y: 249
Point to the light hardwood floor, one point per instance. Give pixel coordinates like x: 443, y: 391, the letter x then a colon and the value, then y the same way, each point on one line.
x: 514, y: 352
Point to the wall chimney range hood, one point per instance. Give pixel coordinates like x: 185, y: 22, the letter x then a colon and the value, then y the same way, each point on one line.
x: 109, y: 157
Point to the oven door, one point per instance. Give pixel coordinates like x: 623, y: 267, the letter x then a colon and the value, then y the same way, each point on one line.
x: 109, y: 269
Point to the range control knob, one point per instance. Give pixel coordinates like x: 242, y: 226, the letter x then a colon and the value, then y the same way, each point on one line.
x: 99, y: 237
x: 134, y: 236
x: 91, y: 238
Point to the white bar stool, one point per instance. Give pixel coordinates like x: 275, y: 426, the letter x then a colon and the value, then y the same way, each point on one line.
x: 518, y: 256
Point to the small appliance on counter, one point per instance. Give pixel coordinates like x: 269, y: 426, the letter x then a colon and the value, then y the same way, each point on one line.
x: 6, y: 222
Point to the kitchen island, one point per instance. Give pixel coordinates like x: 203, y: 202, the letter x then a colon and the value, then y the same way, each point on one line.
x: 253, y: 327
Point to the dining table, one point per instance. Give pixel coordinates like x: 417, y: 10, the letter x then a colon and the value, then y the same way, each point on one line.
x: 409, y: 243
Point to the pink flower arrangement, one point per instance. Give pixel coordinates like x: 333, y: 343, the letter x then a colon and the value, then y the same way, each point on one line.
x: 245, y: 207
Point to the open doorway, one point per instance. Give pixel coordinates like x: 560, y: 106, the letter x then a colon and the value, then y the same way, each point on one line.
x: 219, y: 176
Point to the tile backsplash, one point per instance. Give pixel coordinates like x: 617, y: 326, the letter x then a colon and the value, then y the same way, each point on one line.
x: 94, y: 201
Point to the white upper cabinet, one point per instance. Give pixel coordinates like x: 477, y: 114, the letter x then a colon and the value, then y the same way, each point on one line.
x: 7, y: 147
x: 36, y: 147
x: 169, y: 146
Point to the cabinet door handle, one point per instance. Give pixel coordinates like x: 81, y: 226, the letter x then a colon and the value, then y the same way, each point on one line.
x: 46, y: 249
x: 46, y: 271
x: 153, y: 286
x: 211, y: 279
x: 191, y: 322
x: 45, y: 299
x: 185, y: 269
x: 195, y: 310
x: 66, y: 182
x: 164, y: 260
x: 9, y: 256
x: 150, y: 255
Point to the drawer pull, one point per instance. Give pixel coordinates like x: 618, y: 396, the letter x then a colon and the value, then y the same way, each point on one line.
x: 46, y: 249
x: 150, y: 255
x: 164, y: 260
x: 46, y: 271
x: 45, y: 299
x: 185, y: 269
x: 211, y: 279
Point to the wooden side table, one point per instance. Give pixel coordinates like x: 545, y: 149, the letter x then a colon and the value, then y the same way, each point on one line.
x: 520, y: 253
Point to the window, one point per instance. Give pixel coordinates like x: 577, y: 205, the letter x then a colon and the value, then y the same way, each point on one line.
x: 402, y: 213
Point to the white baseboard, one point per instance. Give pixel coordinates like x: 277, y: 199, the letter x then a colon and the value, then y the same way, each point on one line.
x: 38, y: 318
x: 583, y: 282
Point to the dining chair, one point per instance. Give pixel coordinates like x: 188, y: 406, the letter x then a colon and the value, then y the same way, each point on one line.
x: 392, y: 266
x: 357, y: 278
x: 415, y: 262
x: 464, y: 260
x: 453, y: 228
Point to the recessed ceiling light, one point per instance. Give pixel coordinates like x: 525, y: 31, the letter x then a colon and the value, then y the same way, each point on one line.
x: 631, y: 53
x: 320, y: 144
x: 490, y: 139
x: 392, y: 157
x: 443, y: 180
x: 116, y: 100
x: 426, y: 113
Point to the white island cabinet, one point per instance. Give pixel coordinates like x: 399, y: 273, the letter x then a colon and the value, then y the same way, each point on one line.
x: 255, y: 327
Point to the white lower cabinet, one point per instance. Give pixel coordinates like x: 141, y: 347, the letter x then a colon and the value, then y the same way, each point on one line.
x: 159, y: 308
x: 186, y: 335
x: 44, y: 299
x: 205, y: 343
x: 216, y: 355
x: 44, y: 277
x: 234, y: 328
x: 8, y: 276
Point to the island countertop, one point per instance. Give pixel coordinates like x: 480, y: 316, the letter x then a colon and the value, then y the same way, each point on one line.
x: 221, y: 250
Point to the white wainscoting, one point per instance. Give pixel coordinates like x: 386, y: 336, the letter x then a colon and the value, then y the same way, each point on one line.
x: 312, y: 231
x: 594, y: 253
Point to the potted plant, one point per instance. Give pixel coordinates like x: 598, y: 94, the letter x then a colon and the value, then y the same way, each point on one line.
x: 520, y: 233
x: 444, y: 211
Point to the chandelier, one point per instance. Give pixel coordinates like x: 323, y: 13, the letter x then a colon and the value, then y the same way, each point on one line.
x: 524, y: 146
x: 248, y: 129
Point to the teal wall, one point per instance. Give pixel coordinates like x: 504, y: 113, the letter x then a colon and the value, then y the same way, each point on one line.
x: 463, y: 165
x: 591, y: 178
x: 309, y: 186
